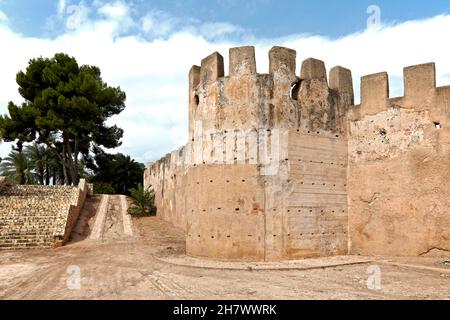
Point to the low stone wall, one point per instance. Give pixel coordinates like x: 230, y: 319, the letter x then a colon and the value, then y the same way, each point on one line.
x: 39, y: 216
x: 68, y: 217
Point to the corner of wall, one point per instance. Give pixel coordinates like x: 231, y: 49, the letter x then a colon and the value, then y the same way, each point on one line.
x: 212, y: 68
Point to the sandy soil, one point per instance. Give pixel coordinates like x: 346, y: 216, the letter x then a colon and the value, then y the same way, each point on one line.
x: 153, y: 265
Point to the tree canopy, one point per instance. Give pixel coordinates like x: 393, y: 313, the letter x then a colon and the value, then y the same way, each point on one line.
x: 17, y: 167
x: 65, y: 107
x: 118, y: 171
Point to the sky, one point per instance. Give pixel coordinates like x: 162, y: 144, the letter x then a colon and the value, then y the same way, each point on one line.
x: 148, y: 47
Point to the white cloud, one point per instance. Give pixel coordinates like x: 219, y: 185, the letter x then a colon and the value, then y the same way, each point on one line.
x: 119, y: 13
x: 117, y: 10
x: 61, y: 7
x: 3, y: 17
x: 159, y: 23
x: 211, y: 30
x: 153, y: 73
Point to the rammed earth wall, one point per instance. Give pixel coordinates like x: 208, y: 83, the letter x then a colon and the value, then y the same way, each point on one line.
x: 280, y: 166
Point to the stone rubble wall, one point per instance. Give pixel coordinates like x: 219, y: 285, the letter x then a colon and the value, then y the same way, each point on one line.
x: 33, y: 216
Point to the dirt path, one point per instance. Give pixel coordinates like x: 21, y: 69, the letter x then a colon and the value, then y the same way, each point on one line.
x: 151, y: 264
x: 109, y: 223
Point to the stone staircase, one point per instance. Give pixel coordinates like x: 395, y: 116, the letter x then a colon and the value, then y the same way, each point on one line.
x: 39, y: 216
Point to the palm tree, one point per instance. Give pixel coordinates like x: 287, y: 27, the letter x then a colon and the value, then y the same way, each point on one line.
x: 122, y: 172
x: 37, y: 158
x: 53, y: 167
x: 16, y: 166
x: 143, y: 202
x: 44, y: 162
x: 126, y: 173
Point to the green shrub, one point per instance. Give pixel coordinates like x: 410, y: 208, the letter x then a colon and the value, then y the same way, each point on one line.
x: 103, y: 188
x: 143, y: 202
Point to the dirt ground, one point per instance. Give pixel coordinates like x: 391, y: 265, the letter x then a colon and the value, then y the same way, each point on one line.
x: 152, y: 265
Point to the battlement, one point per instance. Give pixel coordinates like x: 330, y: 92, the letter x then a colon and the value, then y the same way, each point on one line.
x: 374, y: 93
x: 282, y: 62
x: 419, y: 81
x: 283, y: 165
x: 242, y: 61
x: 247, y: 100
x: 419, y: 90
x: 341, y: 80
x: 211, y: 68
x: 313, y: 69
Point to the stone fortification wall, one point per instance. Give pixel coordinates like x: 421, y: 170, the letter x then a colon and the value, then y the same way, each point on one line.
x: 399, y: 166
x: 233, y: 187
x: 285, y: 166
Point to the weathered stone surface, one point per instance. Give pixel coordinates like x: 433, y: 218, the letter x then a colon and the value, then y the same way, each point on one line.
x: 242, y: 61
x: 374, y: 93
x: 313, y: 69
x: 341, y: 80
x: 212, y: 68
x: 39, y: 216
x: 398, y: 181
x: 237, y: 187
x: 419, y: 84
x: 280, y: 166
